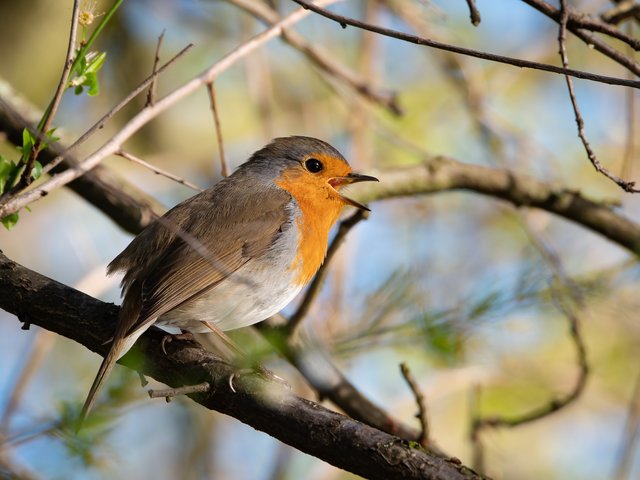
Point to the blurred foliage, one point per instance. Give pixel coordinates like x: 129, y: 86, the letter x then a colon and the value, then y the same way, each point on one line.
x: 454, y: 284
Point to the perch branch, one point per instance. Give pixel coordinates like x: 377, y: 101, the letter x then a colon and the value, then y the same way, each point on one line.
x: 266, y: 406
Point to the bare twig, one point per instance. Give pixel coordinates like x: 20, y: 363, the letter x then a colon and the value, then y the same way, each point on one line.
x: 143, y: 380
x: 630, y: 135
x: 216, y: 120
x: 474, y: 13
x: 330, y: 383
x: 322, y: 59
x: 128, y: 206
x: 578, y: 23
x: 106, y: 117
x: 150, y: 112
x: 457, y: 70
x: 556, y: 404
x: 624, y: 184
x: 30, y: 433
x: 314, y: 287
x: 420, y: 402
x: 517, y: 62
x: 151, y: 94
x: 51, y: 111
x: 169, y: 393
x: 620, y: 12
x: 158, y: 171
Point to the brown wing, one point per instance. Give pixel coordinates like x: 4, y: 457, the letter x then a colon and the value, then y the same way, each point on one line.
x: 211, y: 236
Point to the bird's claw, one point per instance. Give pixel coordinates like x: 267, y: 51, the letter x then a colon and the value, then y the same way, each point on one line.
x: 259, y: 370
x: 169, y: 337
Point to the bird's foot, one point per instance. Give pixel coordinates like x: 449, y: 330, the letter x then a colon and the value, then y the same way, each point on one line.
x: 263, y: 372
x: 169, y: 337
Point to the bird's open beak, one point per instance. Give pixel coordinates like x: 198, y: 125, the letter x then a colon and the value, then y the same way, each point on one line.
x: 336, y: 182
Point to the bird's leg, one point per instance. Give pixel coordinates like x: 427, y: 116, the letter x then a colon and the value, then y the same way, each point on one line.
x: 257, y: 368
x: 169, y: 337
x: 225, y: 338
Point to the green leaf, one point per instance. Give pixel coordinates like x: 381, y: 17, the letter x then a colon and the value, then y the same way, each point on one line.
x: 10, y: 220
x: 28, y: 140
x: 37, y: 170
x: 81, y: 66
x: 96, y: 63
x: 5, y: 171
x: 14, y: 178
x: 92, y: 84
x: 50, y: 135
x: 86, y: 71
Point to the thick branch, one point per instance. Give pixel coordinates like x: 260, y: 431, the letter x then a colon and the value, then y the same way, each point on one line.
x: 300, y: 423
x: 441, y: 174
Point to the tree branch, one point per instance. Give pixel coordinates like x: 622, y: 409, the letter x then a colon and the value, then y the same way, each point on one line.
x: 577, y: 23
x: 125, y: 204
x: 517, y: 62
x: 322, y: 59
x: 440, y: 174
x: 150, y: 112
x: 55, y: 101
x: 303, y: 424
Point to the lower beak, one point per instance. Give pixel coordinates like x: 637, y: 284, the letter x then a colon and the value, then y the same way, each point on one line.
x: 348, y: 180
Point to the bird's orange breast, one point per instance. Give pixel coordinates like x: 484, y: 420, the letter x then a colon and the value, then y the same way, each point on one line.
x: 318, y: 210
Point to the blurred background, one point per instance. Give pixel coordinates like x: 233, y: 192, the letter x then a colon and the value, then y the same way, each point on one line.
x: 463, y: 288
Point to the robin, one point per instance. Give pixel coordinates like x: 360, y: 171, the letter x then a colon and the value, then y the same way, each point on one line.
x: 236, y: 253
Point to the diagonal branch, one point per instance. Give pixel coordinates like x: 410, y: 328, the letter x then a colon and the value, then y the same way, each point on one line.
x: 578, y: 23
x: 322, y: 59
x: 516, y: 62
x: 150, y: 112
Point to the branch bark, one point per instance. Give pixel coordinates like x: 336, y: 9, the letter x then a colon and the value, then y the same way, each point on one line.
x: 439, y: 174
x: 303, y: 424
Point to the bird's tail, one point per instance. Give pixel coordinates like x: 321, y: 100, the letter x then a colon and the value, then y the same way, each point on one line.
x: 123, y: 340
x: 106, y: 366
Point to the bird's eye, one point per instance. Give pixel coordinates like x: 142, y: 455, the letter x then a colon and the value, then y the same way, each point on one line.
x: 313, y: 165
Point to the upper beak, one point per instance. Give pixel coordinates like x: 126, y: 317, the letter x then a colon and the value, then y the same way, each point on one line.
x: 349, y: 179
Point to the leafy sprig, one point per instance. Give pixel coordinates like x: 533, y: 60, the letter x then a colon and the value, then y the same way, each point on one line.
x: 83, y: 75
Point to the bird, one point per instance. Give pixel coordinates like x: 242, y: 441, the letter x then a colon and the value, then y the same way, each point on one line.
x: 236, y: 253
